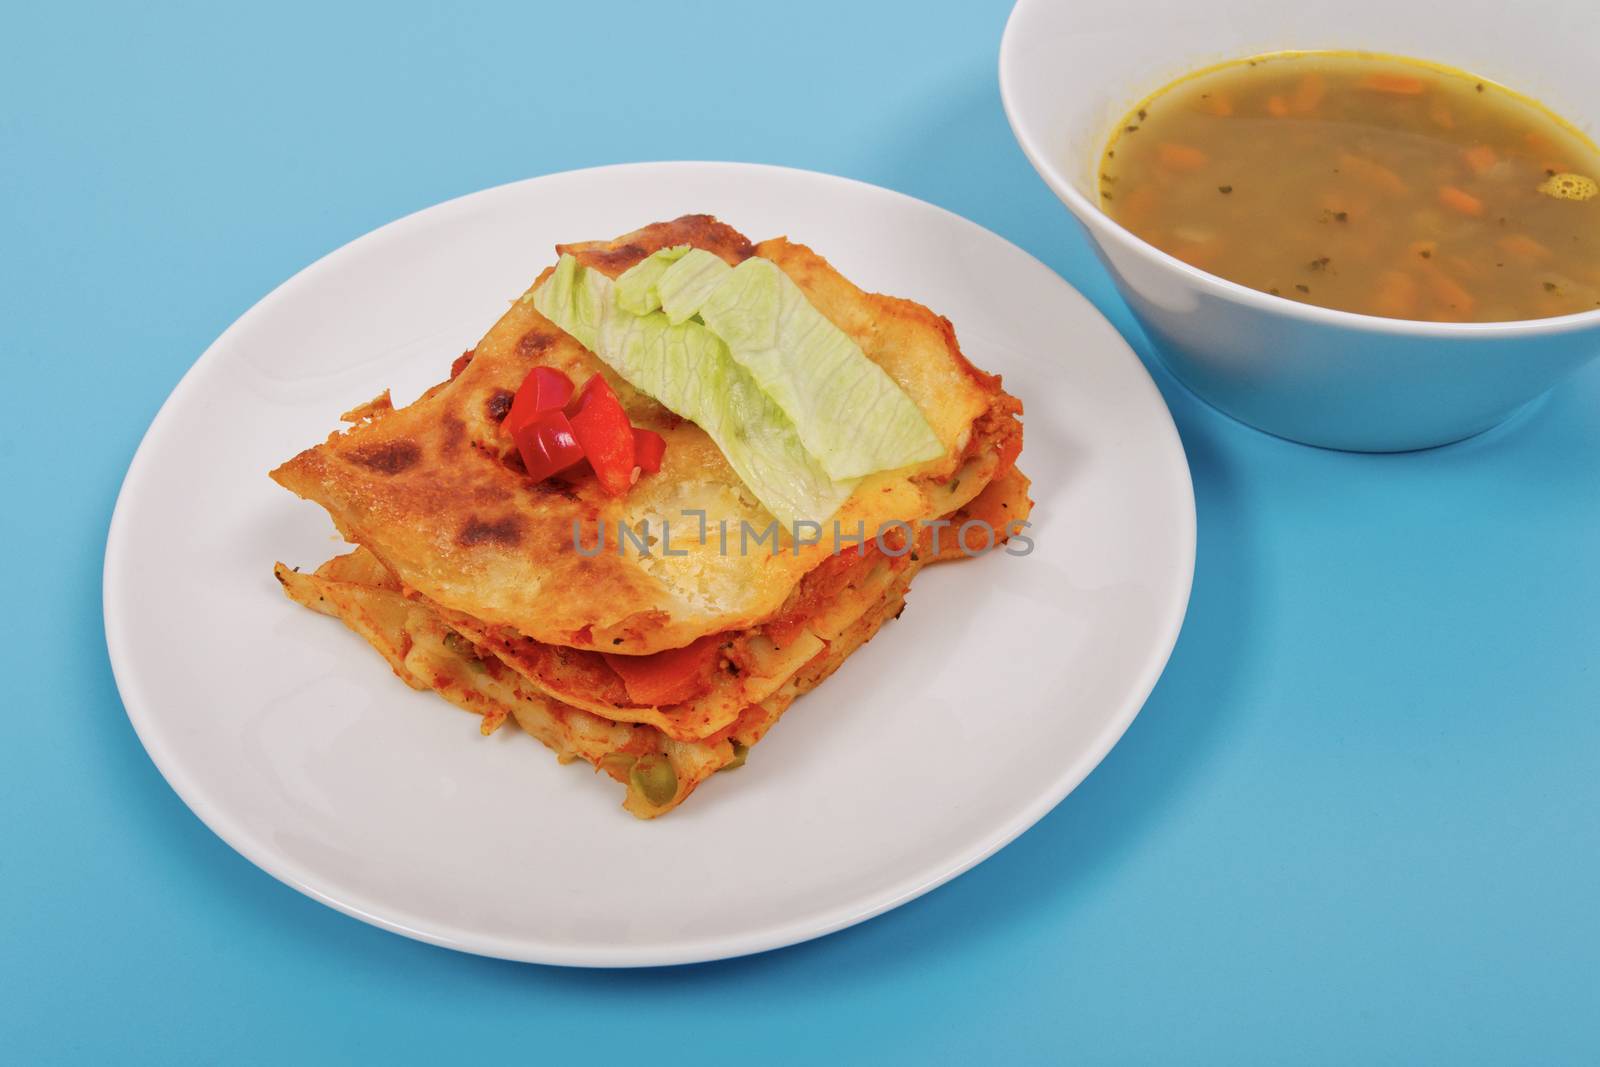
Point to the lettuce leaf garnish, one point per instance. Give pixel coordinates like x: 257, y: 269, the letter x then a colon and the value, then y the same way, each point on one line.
x: 849, y: 413
x: 688, y: 282
x: 636, y: 289
x: 799, y: 410
x: 689, y: 370
x: 579, y: 296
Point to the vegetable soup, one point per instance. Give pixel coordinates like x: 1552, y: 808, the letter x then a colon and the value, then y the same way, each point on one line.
x: 1364, y: 183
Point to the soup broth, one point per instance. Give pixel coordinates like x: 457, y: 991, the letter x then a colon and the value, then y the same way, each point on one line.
x: 1363, y: 183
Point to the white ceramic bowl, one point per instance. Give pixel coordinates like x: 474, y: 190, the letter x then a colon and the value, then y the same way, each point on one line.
x: 1069, y: 70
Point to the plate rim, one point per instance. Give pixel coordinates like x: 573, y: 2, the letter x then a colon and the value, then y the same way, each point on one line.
x: 686, y: 950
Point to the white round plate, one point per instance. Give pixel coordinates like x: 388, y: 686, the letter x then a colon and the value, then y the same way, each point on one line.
x: 1006, y: 680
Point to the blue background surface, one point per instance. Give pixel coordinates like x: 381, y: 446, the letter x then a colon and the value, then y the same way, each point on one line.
x: 1357, y: 819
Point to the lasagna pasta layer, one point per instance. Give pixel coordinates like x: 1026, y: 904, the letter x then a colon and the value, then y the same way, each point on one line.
x: 436, y: 491
x: 658, y: 769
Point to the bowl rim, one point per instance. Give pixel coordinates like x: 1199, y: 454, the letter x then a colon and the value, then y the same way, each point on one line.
x: 1102, y: 226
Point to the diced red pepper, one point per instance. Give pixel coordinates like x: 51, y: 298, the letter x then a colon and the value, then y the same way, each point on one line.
x: 593, y: 426
x: 547, y: 444
x: 669, y: 677
x: 648, y: 449
x: 601, y: 426
x: 544, y: 389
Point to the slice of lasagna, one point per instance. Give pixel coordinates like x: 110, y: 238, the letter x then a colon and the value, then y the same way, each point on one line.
x: 756, y: 459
